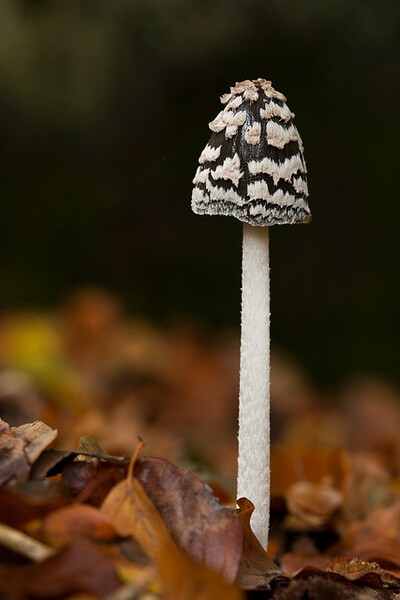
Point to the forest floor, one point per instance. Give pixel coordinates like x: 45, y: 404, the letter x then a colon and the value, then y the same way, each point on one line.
x: 118, y: 458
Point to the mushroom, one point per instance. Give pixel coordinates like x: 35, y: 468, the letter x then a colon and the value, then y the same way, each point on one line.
x: 253, y: 168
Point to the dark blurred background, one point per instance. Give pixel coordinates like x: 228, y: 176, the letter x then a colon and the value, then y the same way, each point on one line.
x: 104, y: 111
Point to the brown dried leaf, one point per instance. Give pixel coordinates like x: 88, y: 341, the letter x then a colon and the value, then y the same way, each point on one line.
x: 13, y: 462
x: 384, y: 551
x: 73, y: 523
x: 20, y: 447
x: 133, y: 513
x: 383, y: 523
x: 53, y: 462
x: 340, y: 569
x: 50, y: 462
x: 208, y: 532
x: 355, y: 569
x: 256, y: 571
x: 37, y: 436
x: 312, y: 503
x: 315, y: 587
x: 91, y: 481
x: 375, y: 538
x: 293, y: 564
x: 368, y: 578
x: 31, y: 500
x: 74, y: 570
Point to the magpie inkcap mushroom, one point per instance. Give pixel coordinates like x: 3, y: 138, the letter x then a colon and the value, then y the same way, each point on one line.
x: 253, y: 166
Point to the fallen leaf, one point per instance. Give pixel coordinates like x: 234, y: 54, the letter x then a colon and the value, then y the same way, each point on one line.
x: 133, y: 513
x: 384, y: 551
x: 312, y: 503
x: 368, y: 579
x: 20, y: 447
x: 293, y: 564
x: 314, y: 587
x: 91, y: 481
x: 71, y: 523
x: 52, y: 462
x: 375, y: 538
x: 352, y: 569
x: 37, y: 436
x: 88, y: 444
x: 256, y: 571
x: 208, y: 532
x: 76, y: 569
x: 28, y: 500
x: 49, y: 462
x: 356, y: 569
x: 383, y: 522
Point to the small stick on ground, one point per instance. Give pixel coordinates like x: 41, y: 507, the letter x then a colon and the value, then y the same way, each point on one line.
x: 23, y: 544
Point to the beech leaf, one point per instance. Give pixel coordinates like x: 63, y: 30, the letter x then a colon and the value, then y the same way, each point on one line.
x: 210, y: 533
x: 257, y: 571
x: 133, y: 513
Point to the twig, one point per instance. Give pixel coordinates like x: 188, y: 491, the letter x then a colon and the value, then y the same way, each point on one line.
x: 133, y: 589
x: 23, y: 544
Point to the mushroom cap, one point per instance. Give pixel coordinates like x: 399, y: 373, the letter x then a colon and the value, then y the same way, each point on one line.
x: 253, y: 166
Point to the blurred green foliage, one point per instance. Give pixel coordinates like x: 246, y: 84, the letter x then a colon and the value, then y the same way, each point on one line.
x: 104, y: 112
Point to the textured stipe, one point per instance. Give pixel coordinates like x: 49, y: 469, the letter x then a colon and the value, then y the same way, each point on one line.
x: 253, y: 166
x: 254, y: 438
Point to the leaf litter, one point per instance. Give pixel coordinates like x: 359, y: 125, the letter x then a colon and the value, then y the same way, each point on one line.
x: 188, y: 546
x: 82, y: 519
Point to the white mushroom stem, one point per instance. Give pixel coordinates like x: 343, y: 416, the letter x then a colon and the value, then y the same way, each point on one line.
x: 254, y: 418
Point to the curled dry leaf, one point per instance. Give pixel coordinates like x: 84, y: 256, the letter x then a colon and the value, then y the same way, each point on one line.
x: 256, y: 571
x: 20, y: 447
x: 76, y: 569
x: 312, y: 503
x: 352, y: 569
x: 356, y: 569
x: 71, y: 523
x: 133, y: 513
x: 338, y: 569
x: 384, y: 551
